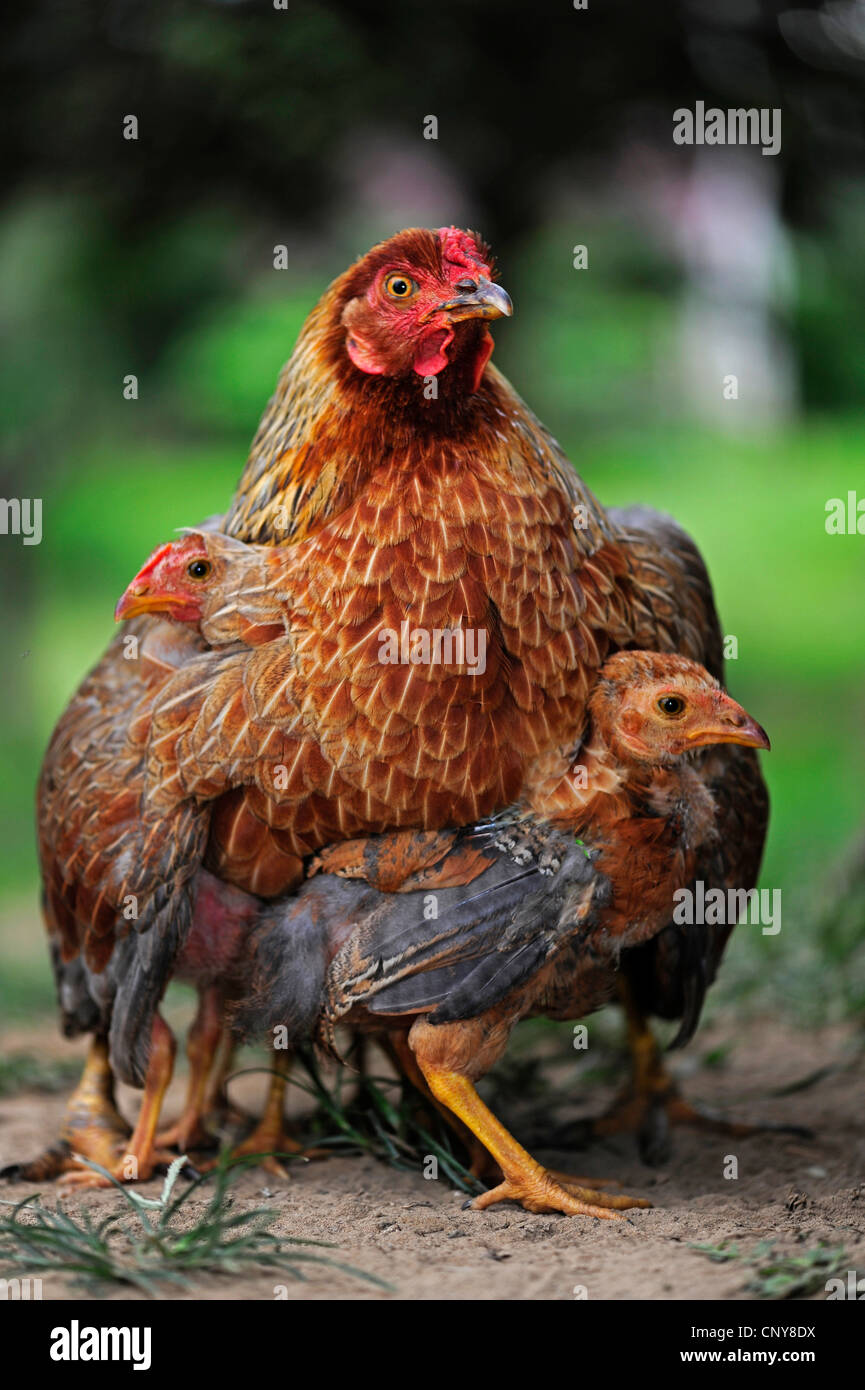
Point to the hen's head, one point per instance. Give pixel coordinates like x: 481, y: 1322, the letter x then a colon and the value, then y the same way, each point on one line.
x: 651, y: 707
x: 420, y: 303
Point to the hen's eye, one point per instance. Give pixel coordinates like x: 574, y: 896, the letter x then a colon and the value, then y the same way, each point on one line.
x: 399, y: 286
x: 198, y: 569
x: 671, y: 704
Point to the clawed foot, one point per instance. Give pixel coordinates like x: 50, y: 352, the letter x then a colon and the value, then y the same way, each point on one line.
x: 266, y: 1144
x: 123, y: 1166
x: 194, y: 1131
x: 48, y: 1165
x: 101, y: 1138
x: 652, y: 1115
x: 548, y: 1191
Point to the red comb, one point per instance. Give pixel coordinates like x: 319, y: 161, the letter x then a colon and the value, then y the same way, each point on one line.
x: 461, y: 249
x: 159, y: 554
x: 190, y: 542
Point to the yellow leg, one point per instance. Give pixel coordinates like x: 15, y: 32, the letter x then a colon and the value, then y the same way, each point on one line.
x: 92, y: 1124
x: 219, y: 1109
x: 201, y: 1045
x: 649, y: 1103
x: 649, y: 1084
x: 481, y: 1163
x: 270, y: 1136
x: 138, y: 1158
x: 396, y: 1045
x: 217, y: 1093
x: 525, y: 1180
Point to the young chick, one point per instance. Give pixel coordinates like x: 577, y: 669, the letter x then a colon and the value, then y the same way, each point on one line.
x: 451, y: 984
x: 229, y: 591
x: 632, y: 793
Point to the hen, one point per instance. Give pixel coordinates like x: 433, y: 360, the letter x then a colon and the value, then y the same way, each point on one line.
x: 546, y: 940
x: 418, y: 493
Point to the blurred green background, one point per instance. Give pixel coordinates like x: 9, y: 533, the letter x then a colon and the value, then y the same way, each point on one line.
x: 261, y: 128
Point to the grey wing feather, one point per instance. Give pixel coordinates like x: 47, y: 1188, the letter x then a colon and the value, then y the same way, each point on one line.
x: 339, y: 944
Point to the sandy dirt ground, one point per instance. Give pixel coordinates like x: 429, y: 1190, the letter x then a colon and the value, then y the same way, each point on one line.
x: 414, y: 1233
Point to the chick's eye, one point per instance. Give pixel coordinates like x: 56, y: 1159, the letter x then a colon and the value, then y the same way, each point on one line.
x: 671, y: 704
x: 399, y: 286
x: 198, y: 569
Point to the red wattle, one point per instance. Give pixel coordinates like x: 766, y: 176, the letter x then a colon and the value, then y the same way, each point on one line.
x: 431, y: 358
x: 485, y: 352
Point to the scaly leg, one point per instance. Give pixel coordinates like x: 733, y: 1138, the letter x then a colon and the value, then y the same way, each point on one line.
x: 482, y: 1165
x: 137, y: 1159
x: 92, y: 1125
x: 270, y: 1135
x: 220, y: 1110
x: 188, y: 1131
x: 396, y: 1045
x: 525, y: 1180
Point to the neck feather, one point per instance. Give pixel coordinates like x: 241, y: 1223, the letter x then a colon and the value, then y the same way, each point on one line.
x: 597, y: 785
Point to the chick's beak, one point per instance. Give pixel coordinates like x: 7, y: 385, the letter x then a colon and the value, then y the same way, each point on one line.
x: 731, y: 724
x: 477, y: 300
x: 134, y: 601
x: 138, y: 599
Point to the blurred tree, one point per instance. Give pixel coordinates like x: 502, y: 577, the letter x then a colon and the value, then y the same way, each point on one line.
x: 243, y: 103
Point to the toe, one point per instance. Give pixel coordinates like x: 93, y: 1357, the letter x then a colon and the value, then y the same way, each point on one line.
x: 569, y: 1180
x: 618, y: 1201
x: 548, y: 1196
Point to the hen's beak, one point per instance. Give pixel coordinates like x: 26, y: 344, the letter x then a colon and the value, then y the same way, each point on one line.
x: 479, y: 299
x: 732, y: 724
